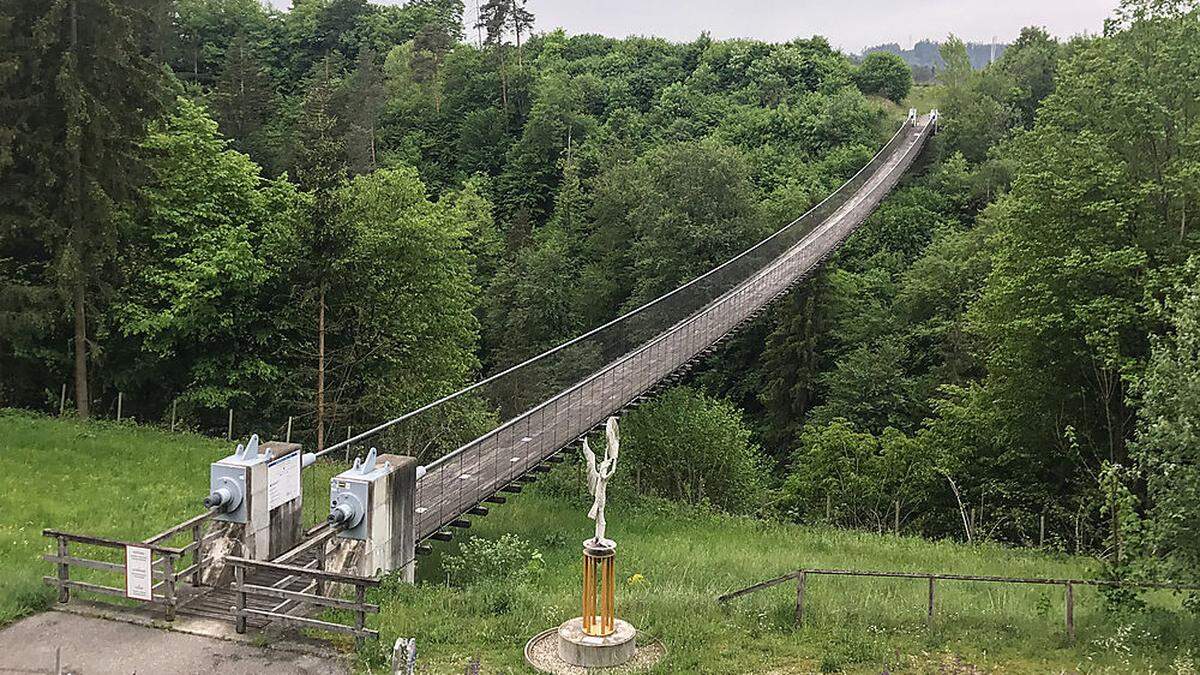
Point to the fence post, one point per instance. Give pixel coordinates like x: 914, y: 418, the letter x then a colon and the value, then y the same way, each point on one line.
x: 289, y: 430
x: 168, y: 584
x: 929, y: 616
x: 120, y: 400
x: 1071, y: 612
x: 897, y: 528
x: 360, y: 614
x: 173, y: 404
x: 229, y: 434
x: 801, y: 577
x: 198, y: 554
x: 239, y: 580
x: 64, y: 571
x: 62, y: 400
x: 1042, y: 532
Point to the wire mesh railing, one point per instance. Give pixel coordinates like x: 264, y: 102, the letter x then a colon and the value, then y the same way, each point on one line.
x: 506, y: 424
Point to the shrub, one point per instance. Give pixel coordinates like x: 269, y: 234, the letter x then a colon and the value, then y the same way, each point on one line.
x: 509, y: 557
x: 884, y: 74
x: 693, y: 448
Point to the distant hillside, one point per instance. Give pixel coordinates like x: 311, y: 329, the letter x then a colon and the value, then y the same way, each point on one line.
x: 925, y: 60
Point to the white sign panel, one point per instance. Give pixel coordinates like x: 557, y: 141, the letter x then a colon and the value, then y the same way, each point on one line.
x: 283, y: 480
x: 138, y: 580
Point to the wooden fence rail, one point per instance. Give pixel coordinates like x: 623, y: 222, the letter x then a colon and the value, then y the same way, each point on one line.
x: 319, y: 589
x: 164, y: 569
x: 801, y: 578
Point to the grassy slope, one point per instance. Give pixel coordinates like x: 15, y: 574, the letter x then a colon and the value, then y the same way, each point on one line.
x: 687, y: 559
x: 101, y: 478
x: 128, y: 482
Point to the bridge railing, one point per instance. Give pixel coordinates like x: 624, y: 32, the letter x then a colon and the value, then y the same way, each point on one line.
x: 504, y: 425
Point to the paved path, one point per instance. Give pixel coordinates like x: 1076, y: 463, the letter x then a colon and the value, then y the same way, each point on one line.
x: 95, y: 646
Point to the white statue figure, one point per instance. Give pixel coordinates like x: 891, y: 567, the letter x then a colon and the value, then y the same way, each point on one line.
x: 598, y: 476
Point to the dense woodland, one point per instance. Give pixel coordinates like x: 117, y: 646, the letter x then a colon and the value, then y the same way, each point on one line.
x: 343, y: 211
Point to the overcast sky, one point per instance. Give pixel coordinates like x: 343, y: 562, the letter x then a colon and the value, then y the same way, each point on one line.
x: 849, y: 24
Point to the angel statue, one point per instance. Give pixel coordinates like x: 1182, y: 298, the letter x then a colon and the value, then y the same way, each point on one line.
x: 598, y: 476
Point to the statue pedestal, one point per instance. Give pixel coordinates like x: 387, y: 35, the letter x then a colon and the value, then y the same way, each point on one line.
x: 580, y: 649
x: 597, y: 639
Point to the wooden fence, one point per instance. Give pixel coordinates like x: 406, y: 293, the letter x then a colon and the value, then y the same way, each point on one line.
x: 319, y: 589
x: 165, y: 569
x: 801, y: 577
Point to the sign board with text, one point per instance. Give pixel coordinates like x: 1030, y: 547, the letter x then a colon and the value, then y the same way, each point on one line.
x: 283, y: 480
x: 139, y: 583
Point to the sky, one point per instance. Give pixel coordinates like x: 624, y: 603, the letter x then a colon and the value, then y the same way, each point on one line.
x: 849, y: 25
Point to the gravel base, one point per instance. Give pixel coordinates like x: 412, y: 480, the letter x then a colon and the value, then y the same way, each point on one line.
x: 542, y: 654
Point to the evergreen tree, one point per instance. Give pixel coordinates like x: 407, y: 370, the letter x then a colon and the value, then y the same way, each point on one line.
x: 88, y: 87
x: 320, y: 168
x: 243, y: 95
x: 361, y: 98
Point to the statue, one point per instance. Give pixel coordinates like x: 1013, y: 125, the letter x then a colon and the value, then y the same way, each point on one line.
x: 598, y: 476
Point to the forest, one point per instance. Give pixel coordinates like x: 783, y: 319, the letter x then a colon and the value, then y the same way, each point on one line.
x: 343, y: 211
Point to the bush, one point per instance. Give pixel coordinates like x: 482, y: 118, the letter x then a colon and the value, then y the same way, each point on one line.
x: 884, y: 74
x: 861, y: 475
x: 693, y: 448
x: 508, y: 557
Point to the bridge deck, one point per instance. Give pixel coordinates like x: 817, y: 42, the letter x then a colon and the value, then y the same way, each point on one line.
x: 481, y: 468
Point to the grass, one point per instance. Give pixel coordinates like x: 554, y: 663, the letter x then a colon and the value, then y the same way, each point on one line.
x: 925, y: 97
x: 128, y: 482
x: 101, y: 478
x: 673, y: 562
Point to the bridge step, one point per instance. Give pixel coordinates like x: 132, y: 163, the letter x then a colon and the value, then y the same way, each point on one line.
x: 515, y: 489
x: 556, y: 459
x: 527, y: 479
x: 461, y: 524
x: 478, y: 511
x: 540, y: 469
x: 424, y: 549
x: 442, y: 536
x: 496, y: 499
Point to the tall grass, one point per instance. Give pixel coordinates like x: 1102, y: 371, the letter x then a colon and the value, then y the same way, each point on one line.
x: 672, y: 563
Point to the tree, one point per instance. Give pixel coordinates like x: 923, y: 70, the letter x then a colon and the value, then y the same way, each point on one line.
x: 321, y: 171
x: 361, y: 97
x: 957, y: 70
x: 402, y: 328
x: 884, y: 74
x: 89, y: 88
x: 243, y: 96
x: 693, y: 448
x: 430, y: 47
x: 1166, y: 448
x: 676, y: 213
x: 1032, y: 65
x: 198, y: 310
x: 1085, y: 239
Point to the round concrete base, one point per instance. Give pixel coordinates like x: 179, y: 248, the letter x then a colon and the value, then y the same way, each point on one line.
x: 580, y: 649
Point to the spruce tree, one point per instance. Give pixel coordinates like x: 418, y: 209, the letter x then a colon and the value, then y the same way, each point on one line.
x: 85, y: 87
x: 320, y: 168
x: 243, y: 96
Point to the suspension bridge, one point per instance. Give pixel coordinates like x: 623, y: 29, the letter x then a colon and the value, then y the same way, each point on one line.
x: 537, y: 408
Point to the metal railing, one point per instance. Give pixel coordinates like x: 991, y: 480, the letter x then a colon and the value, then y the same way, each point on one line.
x: 530, y: 411
x: 697, y: 316
x: 801, y: 578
